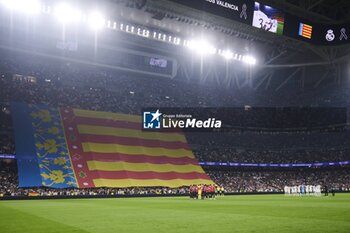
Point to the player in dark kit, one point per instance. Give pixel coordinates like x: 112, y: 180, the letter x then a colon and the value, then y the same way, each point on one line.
x: 333, y: 192
x: 192, y: 191
x: 204, y: 191
x: 212, y: 191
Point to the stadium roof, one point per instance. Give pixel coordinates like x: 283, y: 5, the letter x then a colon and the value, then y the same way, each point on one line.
x: 171, y: 17
x: 331, y: 11
x: 274, y: 52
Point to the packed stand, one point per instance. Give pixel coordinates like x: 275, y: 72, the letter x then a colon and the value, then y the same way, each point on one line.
x: 6, y: 132
x: 271, y: 156
x: 38, y: 80
x: 278, y: 148
x: 271, y: 140
x: 241, y: 181
x: 8, y: 177
x: 79, y: 86
x: 9, y: 187
x: 228, y: 181
x: 134, y: 191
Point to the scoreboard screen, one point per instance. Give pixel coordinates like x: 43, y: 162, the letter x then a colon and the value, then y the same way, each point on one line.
x: 268, y: 18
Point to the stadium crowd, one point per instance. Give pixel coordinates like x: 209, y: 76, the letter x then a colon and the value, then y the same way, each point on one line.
x: 39, y: 80
x: 35, y: 79
x: 134, y: 191
x: 272, y: 140
x: 9, y: 187
x: 6, y: 133
x: 292, y: 147
x: 93, y: 88
x: 232, y: 181
x: 226, y: 154
x: 275, y: 180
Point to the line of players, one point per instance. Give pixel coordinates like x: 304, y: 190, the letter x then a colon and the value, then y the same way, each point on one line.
x: 205, y: 191
x: 312, y: 190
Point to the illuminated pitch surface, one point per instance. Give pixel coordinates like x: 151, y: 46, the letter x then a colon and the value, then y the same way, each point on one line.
x: 269, y: 213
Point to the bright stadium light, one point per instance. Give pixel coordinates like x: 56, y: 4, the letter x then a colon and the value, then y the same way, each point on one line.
x: 65, y: 13
x: 30, y: 7
x: 249, y: 60
x: 227, y: 54
x: 96, y: 20
x: 201, y: 47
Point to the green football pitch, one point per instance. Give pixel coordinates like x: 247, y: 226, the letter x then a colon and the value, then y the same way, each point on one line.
x: 262, y: 213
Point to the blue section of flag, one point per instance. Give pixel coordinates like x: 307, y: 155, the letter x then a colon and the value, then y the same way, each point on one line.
x: 28, y: 169
x: 42, y: 153
x: 301, y: 29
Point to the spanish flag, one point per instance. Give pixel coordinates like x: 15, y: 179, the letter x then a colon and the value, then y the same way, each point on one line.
x: 110, y: 150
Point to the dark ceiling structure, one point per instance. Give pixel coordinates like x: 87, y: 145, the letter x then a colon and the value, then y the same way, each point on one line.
x: 275, y: 52
x: 332, y: 11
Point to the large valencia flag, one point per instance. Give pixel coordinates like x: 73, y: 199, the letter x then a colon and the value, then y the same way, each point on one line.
x: 110, y: 150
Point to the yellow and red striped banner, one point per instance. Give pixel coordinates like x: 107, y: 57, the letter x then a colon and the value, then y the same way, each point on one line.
x: 111, y: 150
x: 305, y: 30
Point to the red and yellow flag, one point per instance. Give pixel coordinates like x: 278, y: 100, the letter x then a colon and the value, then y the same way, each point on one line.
x: 111, y: 150
x: 305, y: 30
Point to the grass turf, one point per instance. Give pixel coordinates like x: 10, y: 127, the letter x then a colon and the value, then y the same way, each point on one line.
x: 263, y: 213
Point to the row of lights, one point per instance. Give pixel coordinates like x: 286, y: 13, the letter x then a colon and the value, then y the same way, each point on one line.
x: 67, y: 14
x: 202, y: 47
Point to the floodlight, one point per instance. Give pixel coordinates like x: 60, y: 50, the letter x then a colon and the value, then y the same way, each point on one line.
x: 227, y: 54
x: 202, y: 47
x: 65, y: 13
x: 24, y: 6
x: 96, y: 20
x: 249, y: 60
